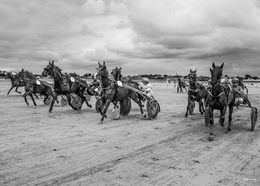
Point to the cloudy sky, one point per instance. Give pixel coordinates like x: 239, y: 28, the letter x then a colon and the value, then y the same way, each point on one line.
x: 142, y: 36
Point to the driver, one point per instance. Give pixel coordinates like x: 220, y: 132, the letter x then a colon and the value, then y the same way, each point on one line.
x: 146, y: 87
x: 239, y: 100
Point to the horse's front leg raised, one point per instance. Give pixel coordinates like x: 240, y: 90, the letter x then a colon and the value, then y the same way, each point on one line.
x: 211, y: 123
x: 16, y: 90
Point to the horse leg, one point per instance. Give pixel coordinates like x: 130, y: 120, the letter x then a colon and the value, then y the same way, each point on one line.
x: 187, y: 108
x: 231, y: 108
x: 87, y: 103
x: 138, y: 101
x: 46, y: 97
x: 32, y: 99
x: 211, y: 123
x: 25, y: 98
x: 69, y: 101
x: 108, y: 101
x: 201, y: 107
x: 16, y: 90
x: 222, y: 116
x: 10, y: 90
x: 52, y: 102
x: 113, y: 111
x: 36, y: 96
x: 83, y: 99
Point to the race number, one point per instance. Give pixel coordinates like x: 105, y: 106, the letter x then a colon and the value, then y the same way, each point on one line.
x: 72, y: 79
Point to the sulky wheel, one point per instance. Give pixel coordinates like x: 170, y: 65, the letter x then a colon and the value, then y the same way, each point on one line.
x: 63, y: 101
x: 153, y: 108
x: 206, y: 116
x: 125, y: 107
x: 99, y: 104
x: 191, y: 106
x: 253, y: 117
x: 48, y: 100
x: 75, y: 101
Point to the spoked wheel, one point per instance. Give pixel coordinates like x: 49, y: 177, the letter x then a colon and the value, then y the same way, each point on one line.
x: 99, y: 104
x: 48, y: 100
x: 153, y: 108
x: 63, y: 101
x: 75, y: 101
x: 206, y: 116
x: 125, y: 107
x: 253, y: 117
x: 191, y: 107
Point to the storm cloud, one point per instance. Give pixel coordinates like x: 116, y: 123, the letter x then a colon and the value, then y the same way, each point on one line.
x: 142, y: 36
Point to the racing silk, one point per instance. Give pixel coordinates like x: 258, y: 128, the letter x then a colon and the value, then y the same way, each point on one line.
x: 147, y: 89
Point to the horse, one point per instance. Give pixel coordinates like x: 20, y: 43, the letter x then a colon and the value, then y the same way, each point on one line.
x: 15, y: 82
x: 125, y: 92
x: 219, y: 97
x: 65, y: 85
x: 111, y: 92
x: 196, y: 92
x: 181, y: 85
x: 33, y: 86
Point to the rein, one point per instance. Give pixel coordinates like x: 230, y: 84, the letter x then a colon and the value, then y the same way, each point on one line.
x: 211, y: 94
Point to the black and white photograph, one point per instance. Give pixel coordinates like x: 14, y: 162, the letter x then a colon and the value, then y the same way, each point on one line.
x: 129, y: 92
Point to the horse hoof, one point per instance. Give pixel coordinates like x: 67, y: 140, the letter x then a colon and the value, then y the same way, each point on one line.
x: 100, y: 122
x: 34, y: 107
x: 221, y: 124
x: 117, y: 118
x: 49, y: 111
x: 210, y: 138
x: 228, y: 130
x: 144, y: 115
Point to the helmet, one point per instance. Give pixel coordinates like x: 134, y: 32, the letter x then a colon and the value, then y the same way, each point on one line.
x: 235, y: 80
x: 144, y: 79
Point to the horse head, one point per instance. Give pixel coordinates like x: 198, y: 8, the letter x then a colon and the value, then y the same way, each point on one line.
x: 25, y: 74
x: 50, y: 69
x: 193, y: 75
x: 216, y: 73
x: 116, y: 73
x: 101, y: 70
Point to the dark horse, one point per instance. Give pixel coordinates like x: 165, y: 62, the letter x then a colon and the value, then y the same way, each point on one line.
x: 125, y: 92
x: 15, y: 82
x: 196, y: 92
x: 111, y: 92
x: 181, y: 85
x: 64, y: 85
x: 219, y: 97
x: 33, y: 86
